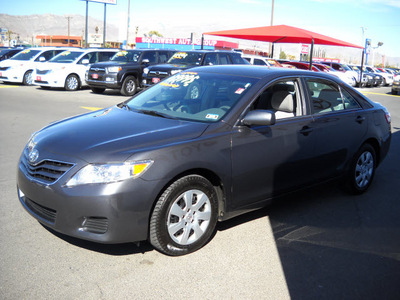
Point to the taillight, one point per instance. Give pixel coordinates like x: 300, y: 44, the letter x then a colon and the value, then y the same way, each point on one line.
x: 388, y: 117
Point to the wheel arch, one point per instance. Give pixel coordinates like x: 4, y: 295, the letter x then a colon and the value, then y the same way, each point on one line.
x: 77, y: 75
x: 211, y: 176
x: 130, y: 73
x: 375, y: 144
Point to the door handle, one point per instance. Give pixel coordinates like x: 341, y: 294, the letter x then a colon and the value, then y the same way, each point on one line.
x: 306, y: 130
x: 360, y: 119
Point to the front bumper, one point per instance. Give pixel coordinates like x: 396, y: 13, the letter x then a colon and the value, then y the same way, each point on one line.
x: 106, y: 213
x: 51, y: 79
x: 12, y: 75
x: 103, y: 80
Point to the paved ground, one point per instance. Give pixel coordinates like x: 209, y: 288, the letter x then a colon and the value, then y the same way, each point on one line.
x: 318, y: 244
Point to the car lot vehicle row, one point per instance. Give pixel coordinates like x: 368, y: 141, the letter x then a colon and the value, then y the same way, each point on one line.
x: 184, y: 60
x: 68, y: 69
x: 19, y: 68
x: 248, y: 134
x: 124, y: 70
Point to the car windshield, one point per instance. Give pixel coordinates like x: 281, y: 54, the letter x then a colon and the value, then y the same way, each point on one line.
x: 66, y: 57
x: 345, y: 67
x: 186, y: 58
x: 193, y: 96
x: 27, y: 54
x: 124, y: 56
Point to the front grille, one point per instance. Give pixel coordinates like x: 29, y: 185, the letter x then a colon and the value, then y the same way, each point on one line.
x: 47, y: 171
x: 42, y: 72
x: 95, y: 224
x: 44, y: 212
x: 4, y: 68
x: 41, y: 81
x: 97, y: 70
x: 158, y: 73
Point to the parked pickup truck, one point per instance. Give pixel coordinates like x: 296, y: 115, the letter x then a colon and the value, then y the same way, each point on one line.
x: 124, y: 70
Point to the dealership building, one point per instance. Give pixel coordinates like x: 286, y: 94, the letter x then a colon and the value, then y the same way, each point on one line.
x: 183, y: 44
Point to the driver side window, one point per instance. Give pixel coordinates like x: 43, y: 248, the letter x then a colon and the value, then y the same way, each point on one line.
x: 282, y: 98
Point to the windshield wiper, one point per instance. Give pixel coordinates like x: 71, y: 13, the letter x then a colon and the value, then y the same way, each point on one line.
x: 154, y: 113
x: 124, y: 105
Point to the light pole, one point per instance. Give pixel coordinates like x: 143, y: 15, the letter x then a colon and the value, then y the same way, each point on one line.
x: 373, y: 52
x: 68, y: 18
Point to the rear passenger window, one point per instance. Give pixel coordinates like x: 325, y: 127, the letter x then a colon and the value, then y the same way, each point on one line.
x: 151, y: 56
x: 224, y: 59
x: 349, y: 101
x: 105, y: 56
x: 211, y: 59
x: 259, y: 62
x: 236, y: 58
x: 162, y: 57
x: 328, y: 97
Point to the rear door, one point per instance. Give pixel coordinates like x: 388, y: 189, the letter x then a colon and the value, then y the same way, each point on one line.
x: 339, y: 124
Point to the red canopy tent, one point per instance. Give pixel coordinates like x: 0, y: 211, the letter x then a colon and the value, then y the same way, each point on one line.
x: 283, y: 34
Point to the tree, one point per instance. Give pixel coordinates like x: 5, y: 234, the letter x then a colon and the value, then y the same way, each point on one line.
x: 282, y: 55
x: 154, y: 32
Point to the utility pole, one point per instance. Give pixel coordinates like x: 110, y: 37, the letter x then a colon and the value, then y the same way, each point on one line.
x: 68, y: 18
x: 127, y: 29
x: 272, y: 23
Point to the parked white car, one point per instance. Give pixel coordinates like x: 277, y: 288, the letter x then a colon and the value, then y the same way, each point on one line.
x: 387, y: 78
x: 261, y: 60
x: 67, y: 70
x: 19, y: 68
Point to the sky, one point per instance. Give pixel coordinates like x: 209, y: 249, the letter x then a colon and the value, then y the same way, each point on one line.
x: 341, y: 19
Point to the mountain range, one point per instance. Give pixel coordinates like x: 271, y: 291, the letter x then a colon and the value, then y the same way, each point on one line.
x: 28, y: 26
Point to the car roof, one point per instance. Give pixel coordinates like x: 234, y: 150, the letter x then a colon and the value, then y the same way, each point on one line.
x: 258, y: 71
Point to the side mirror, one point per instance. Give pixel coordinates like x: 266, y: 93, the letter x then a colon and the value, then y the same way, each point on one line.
x: 85, y: 61
x: 42, y: 59
x: 259, y: 117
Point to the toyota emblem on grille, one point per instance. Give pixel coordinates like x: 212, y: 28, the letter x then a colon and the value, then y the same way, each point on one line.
x: 33, y: 156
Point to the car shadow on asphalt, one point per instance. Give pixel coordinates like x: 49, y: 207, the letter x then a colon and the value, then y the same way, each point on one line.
x: 110, y: 249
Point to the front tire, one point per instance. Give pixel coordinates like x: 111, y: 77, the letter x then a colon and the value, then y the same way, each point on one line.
x: 129, y: 86
x: 28, y: 79
x: 72, y: 83
x: 184, y: 217
x: 362, y: 169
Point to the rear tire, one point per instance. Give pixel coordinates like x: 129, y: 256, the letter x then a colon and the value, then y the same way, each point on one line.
x: 129, y: 86
x: 362, y: 169
x: 184, y: 217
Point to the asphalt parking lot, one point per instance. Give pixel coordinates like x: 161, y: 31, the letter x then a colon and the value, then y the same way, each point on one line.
x: 321, y: 243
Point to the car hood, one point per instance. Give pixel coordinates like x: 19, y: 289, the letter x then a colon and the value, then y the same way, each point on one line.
x: 113, y: 134
x: 112, y: 64
x: 169, y: 67
x: 45, y: 66
x: 15, y: 63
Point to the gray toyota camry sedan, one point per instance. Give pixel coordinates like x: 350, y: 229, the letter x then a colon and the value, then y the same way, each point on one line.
x: 199, y: 147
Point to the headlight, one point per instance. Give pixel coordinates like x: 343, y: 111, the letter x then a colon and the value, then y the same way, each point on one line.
x: 113, y: 69
x: 108, y: 173
x: 146, y: 71
x: 175, y: 71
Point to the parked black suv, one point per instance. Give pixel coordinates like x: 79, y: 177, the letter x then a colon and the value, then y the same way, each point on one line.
x: 188, y: 59
x: 124, y: 70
